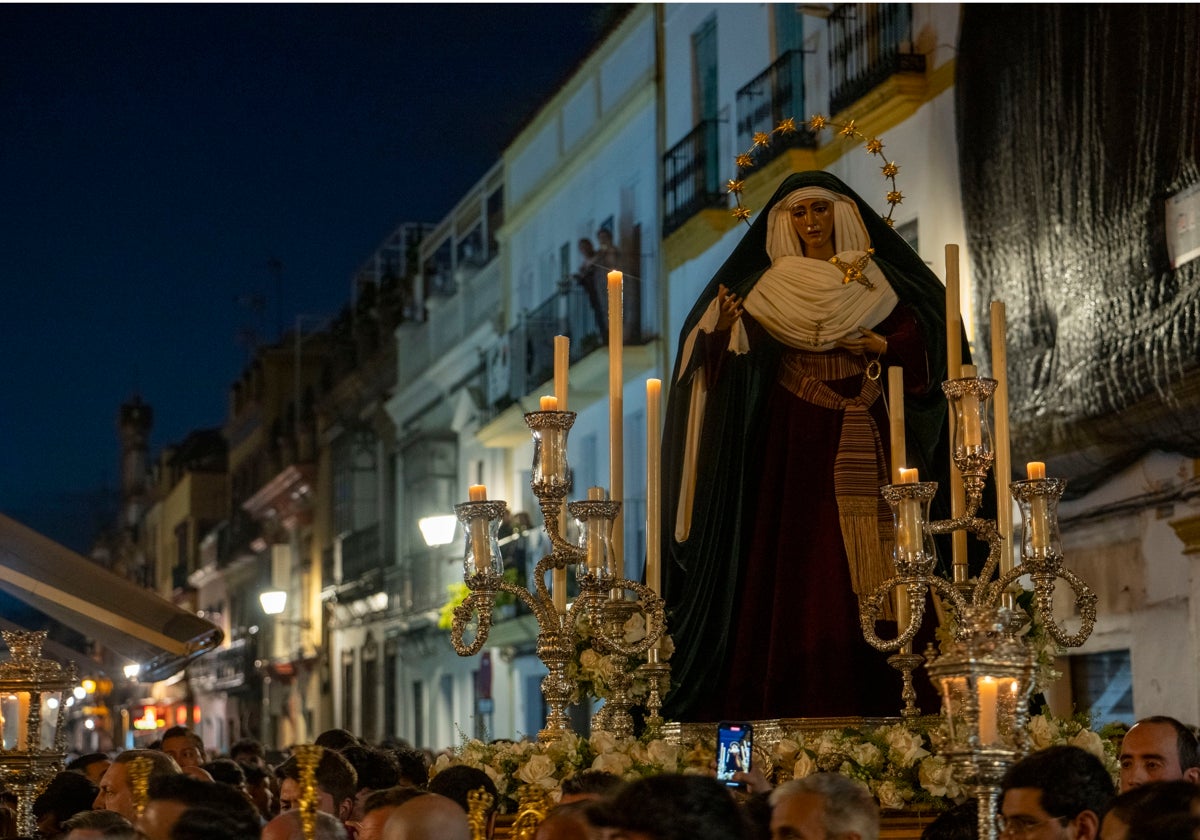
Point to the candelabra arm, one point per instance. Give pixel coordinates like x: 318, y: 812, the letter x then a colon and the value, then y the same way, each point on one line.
x: 484, y: 586
x: 1085, y: 603
x: 654, y: 609
x: 917, y: 586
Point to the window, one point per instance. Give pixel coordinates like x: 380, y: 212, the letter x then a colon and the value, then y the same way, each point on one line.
x: 1102, y: 685
x: 391, y: 664
x: 418, y: 711
x: 348, y: 690
x: 704, y: 70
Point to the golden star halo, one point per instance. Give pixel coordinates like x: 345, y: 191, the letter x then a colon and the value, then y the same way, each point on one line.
x: 816, y: 124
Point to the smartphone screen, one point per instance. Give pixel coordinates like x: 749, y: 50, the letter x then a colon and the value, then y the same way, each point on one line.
x: 735, y: 742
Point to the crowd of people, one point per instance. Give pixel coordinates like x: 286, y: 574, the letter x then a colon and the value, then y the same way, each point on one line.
x: 365, y: 792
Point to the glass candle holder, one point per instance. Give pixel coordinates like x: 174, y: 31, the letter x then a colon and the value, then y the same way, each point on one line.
x: 596, y: 517
x: 1038, y: 499
x: 969, y: 397
x: 914, y: 551
x: 481, y: 522
x: 549, y: 430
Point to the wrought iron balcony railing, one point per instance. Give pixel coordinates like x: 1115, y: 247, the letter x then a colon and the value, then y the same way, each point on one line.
x: 692, y: 176
x: 773, y: 95
x: 868, y: 42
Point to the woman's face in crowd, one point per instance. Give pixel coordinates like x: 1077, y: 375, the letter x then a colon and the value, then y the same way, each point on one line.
x: 812, y: 219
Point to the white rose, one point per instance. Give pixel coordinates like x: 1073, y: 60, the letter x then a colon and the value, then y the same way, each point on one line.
x: 1042, y: 732
x: 936, y: 777
x: 784, y: 751
x: 663, y: 755
x: 827, y: 742
x: 805, y: 765
x: 904, y: 747
x: 613, y: 762
x: 603, y: 742
x: 539, y: 770
x: 563, y: 748
x: 443, y: 761
x: 500, y: 780
x: 588, y: 660
x: 866, y: 754
x: 889, y: 795
x: 1088, y: 740
x: 635, y: 629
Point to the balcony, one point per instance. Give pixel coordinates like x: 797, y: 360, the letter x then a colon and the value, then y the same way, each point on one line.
x: 692, y: 176
x: 868, y: 42
x: 525, y: 361
x: 775, y: 94
x: 363, y: 554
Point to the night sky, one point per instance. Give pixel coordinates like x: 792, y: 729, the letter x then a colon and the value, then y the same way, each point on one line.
x: 179, y: 179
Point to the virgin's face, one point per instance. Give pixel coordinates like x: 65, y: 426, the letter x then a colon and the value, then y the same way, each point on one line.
x: 812, y: 219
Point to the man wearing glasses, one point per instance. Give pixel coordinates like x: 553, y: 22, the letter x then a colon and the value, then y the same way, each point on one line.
x: 1059, y: 793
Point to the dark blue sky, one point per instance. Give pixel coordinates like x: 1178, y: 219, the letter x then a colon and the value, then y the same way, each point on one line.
x: 154, y: 160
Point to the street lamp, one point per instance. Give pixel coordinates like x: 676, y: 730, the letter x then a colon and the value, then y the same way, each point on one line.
x: 438, y: 530
x: 273, y: 601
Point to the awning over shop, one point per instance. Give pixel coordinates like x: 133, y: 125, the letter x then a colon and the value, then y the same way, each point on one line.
x: 129, y: 620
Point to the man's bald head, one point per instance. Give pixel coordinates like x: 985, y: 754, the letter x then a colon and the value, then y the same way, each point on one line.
x: 429, y: 817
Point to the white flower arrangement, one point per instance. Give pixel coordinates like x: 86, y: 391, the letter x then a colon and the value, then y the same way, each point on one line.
x: 894, y: 762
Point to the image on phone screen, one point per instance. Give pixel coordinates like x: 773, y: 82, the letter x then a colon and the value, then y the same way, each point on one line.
x: 735, y: 742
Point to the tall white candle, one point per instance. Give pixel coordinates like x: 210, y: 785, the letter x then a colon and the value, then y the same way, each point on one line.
x: 595, y: 538
x: 896, y: 420
x: 1039, y: 516
x: 958, y: 495
x: 23, y: 720
x: 653, y: 484
x: 616, y: 412
x: 562, y: 364
x: 1004, y: 502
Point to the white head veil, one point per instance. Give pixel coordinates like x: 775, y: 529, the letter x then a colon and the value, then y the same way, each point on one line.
x: 849, y: 232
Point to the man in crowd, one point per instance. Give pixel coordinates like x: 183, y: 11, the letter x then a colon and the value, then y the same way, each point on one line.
x: 170, y: 797
x: 457, y: 783
x: 115, y: 793
x: 185, y: 746
x: 91, y: 765
x: 380, y: 805
x: 336, y: 785
x: 671, y: 806
x: 1159, y: 749
x: 1060, y: 792
x: 429, y: 817
x: 375, y: 769
x: 98, y: 825
x: 287, y: 826
x: 823, y: 805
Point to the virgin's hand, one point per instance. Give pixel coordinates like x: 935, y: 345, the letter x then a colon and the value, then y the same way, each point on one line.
x: 730, y: 308
x: 863, y: 343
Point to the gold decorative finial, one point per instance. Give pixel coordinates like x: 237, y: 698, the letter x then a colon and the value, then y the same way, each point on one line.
x: 533, y: 803
x: 308, y: 756
x: 138, y: 774
x: 819, y: 122
x: 479, y: 802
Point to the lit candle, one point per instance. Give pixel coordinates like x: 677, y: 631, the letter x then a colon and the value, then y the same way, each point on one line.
x: 653, y: 483
x: 912, y: 535
x: 550, y: 440
x: 1004, y: 515
x: 896, y: 419
x: 616, y: 412
x: 595, y: 537
x: 22, y: 720
x: 562, y: 363
x: 1039, y: 518
x: 972, y: 434
x: 480, y: 544
x: 989, y: 733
